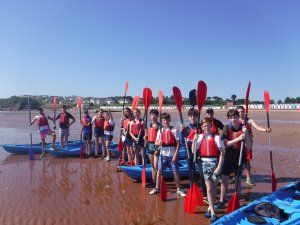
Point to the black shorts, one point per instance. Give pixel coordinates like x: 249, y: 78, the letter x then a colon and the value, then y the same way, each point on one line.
x: 87, y: 136
x: 98, y: 131
x: 229, y: 167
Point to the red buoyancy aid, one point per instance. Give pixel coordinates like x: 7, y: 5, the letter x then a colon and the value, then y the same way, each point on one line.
x: 232, y: 135
x: 192, y: 133
x: 209, y: 148
x: 168, y: 138
x: 99, y: 121
x: 107, y: 126
x: 214, y: 128
x: 248, y: 126
x: 126, y: 123
x: 84, y: 121
x: 152, y: 133
x: 137, y: 127
x: 42, y: 120
x: 64, y: 118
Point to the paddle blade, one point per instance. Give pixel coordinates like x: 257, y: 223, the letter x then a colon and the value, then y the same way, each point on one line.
x: 126, y: 87
x: 143, y: 177
x: 147, y: 97
x: 197, y: 195
x: 163, y: 190
x: 234, y: 203
x: 120, y: 145
x: 274, y: 182
x: 160, y: 100
x: 79, y: 102
x: 54, y: 103
x: 192, y: 98
x: 81, y: 152
x: 189, y: 202
x: 177, y: 98
x: 267, y: 100
x: 247, y: 96
x: 135, y: 102
x: 201, y: 94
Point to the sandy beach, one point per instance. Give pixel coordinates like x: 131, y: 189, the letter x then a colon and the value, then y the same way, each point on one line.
x: 56, y: 191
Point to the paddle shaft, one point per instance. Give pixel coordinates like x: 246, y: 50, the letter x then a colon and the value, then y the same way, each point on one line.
x: 29, y: 112
x: 270, y: 146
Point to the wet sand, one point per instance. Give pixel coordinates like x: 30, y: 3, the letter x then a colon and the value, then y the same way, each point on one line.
x: 89, y: 191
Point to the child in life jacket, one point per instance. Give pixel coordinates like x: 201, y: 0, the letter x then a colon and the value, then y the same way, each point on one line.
x: 211, y: 151
x: 98, y: 122
x: 168, y: 140
x: 44, y: 129
x: 86, y: 121
x: 137, y: 133
x: 109, y: 126
x: 152, y: 148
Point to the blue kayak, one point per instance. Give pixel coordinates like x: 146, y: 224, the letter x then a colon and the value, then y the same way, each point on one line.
x: 22, y: 149
x: 75, y: 150
x: 135, y: 172
x: 282, y: 207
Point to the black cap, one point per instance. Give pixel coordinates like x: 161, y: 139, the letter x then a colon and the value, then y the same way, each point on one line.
x: 210, y: 110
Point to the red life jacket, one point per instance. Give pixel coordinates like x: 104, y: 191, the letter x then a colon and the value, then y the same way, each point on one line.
x: 42, y: 120
x: 168, y: 138
x: 209, y: 148
x: 99, y: 122
x: 107, y: 126
x: 126, y: 123
x: 136, y: 127
x: 152, y: 133
x: 248, y: 126
x: 191, y: 135
x: 84, y: 121
x: 214, y: 128
x: 64, y: 118
x: 232, y: 135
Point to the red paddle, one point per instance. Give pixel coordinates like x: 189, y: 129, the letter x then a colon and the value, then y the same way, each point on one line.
x: 267, y: 103
x: 234, y: 202
x: 163, y: 188
x: 194, y: 196
x: 79, y: 104
x: 121, y: 144
x: 147, y: 97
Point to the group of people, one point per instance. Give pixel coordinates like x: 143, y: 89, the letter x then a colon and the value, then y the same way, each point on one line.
x: 216, y: 148
x: 103, y: 130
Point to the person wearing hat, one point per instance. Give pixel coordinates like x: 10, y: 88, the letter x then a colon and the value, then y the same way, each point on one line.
x: 87, y: 131
x: 217, y: 125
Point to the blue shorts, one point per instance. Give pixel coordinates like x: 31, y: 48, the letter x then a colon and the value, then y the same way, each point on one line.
x: 167, y: 163
x: 108, y: 137
x: 128, y: 141
x: 98, y: 131
x: 87, y: 136
x: 152, y: 148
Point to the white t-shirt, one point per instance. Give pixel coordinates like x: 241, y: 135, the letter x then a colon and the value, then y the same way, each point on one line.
x: 168, y: 150
x: 43, y: 127
x: 111, y: 123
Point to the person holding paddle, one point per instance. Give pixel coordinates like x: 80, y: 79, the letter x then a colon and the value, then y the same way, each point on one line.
x: 211, y: 151
x: 153, y: 149
x: 98, y: 122
x: 64, y: 125
x: 234, y: 135
x: 169, y: 140
x: 137, y: 133
x: 42, y: 122
x: 126, y: 136
x: 249, y: 124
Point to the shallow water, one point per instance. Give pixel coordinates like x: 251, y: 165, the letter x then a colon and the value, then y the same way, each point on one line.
x: 90, y: 191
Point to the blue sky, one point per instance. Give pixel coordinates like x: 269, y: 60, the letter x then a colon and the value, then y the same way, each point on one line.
x: 90, y: 48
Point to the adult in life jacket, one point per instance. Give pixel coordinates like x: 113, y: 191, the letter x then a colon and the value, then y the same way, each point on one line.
x: 87, y: 131
x: 137, y: 133
x: 152, y: 148
x: 109, y: 126
x: 249, y: 124
x: 211, y: 149
x: 98, y: 122
x: 64, y: 124
x: 44, y: 129
x: 216, y: 125
x: 234, y: 135
x: 188, y: 133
